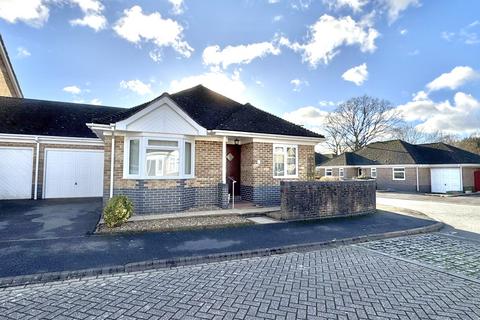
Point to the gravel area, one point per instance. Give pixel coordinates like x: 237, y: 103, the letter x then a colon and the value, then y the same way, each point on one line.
x: 177, y: 224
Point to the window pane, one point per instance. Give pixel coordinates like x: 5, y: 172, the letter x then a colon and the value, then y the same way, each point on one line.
x: 291, y: 166
x: 278, y: 150
x: 279, y: 165
x: 133, y: 159
x: 162, y: 163
x: 188, y: 158
x: 162, y: 143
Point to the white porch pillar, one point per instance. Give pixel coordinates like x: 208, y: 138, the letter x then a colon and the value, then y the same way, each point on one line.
x: 112, y: 161
x: 224, y: 160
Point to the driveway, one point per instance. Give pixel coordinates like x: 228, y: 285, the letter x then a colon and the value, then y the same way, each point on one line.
x: 48, y: 219
x: 462, y: 212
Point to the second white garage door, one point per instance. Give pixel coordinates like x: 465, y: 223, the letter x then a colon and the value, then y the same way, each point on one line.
x: 445, y: 180
x: 73, y: 173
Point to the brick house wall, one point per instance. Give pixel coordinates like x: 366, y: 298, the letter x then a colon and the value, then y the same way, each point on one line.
x: 257, y: 183
x: 41, y: 158
x: 6, y: 85
x: 469, y: 178
x: 151, y: 196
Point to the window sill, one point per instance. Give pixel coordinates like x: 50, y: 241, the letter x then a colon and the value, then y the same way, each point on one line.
x: 285, y: 177
x: 159, y: 178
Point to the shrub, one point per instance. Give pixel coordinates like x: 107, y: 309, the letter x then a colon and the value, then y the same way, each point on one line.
x: 117, y: 211
x: 329, y: 178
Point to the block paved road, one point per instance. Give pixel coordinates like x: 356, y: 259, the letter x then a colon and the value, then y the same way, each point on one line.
x: 347, y: 282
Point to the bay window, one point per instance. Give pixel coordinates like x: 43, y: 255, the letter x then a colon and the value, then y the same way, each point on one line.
x: 158, y: 158
x: 285, y: 161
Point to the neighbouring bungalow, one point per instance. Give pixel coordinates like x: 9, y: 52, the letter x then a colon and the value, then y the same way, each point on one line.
x: 177, y: 152
x: 401, y: 166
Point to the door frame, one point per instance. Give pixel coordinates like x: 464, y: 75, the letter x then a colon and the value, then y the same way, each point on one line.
x: 237, y: 184
x: 44, y: 176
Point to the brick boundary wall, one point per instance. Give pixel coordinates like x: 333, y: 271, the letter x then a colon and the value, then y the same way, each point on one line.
x: 317, y: 199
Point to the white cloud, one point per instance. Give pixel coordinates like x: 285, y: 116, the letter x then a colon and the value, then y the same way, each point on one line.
x: 273, y: 1
x: 93, y: 14
x: 278, y: 18
x: 396, y: 7
x: 357, y: 75
x: 453, y: 79
x: 178, y: 6
x: 23, y: 52
x: 241, y: 54
x: 230, y: 85
x: 298, y: 84
x: 72, y: 89
x: 310, y: 117
x: 355, y: 5
x: 136, y: 86
x: 32, y: 12
x: 329, y: 34
x: 415, y: 52
x: 403, y: 32
x: 327, y: 103
x: 135, y: 26
x: 461, y: 117
x: 447, y: 35
x: 96, y: 101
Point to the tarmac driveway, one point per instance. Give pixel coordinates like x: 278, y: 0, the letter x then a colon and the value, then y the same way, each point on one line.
x: 461, y: 212
x: 48, y: 219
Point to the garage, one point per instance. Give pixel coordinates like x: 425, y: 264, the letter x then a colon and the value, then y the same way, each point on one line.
x: 16, y: 171
x: 446, y: 179
x: 73, y: 173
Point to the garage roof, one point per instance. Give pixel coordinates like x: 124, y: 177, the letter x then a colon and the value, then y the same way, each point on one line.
x: 399, y: 152
x: 49, y: 118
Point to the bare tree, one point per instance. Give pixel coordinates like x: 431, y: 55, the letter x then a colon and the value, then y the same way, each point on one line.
x: 358, y: 122
x: 409, y: 133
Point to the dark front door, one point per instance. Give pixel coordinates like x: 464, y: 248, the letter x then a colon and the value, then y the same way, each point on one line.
x: 233, y: 167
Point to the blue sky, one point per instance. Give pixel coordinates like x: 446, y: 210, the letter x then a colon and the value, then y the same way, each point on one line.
x: 296, y: 59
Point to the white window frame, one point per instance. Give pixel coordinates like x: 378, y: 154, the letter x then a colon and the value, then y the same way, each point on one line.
x: 285, y: 146
x: 328, y: 170
x: 143, y: 146
x: 399, y: 168
x: 372, y: 170
x: 341, y: 172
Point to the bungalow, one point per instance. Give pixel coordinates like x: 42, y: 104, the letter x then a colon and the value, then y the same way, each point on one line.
x: 398, y: 165
x: 179, y: 151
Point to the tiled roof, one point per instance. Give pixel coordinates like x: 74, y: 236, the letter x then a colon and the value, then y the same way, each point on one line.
x: 214, y: 111
x: 399, y: 152
x: 49, y: 118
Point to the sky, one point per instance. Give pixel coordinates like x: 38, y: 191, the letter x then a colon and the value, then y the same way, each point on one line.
x: 296, y: 59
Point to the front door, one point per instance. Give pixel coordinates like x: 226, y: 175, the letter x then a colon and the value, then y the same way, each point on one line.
x: 233, y: 168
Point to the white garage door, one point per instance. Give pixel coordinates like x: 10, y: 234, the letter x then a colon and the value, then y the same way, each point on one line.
x: 446, y: 179
x: 16, y: 170
x: 73, y: 173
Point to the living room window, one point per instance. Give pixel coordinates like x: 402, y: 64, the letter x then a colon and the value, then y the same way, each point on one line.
x: 373, y: 173
x: 398, y: 173
x: 285, y: 161
x: 158, y: 158
x: 341, y: 172
x: 328, y: 172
